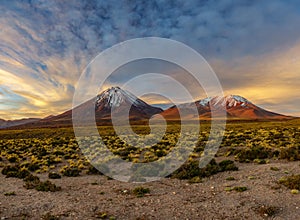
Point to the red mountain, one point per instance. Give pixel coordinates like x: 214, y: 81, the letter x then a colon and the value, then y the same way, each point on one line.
x: 117, y: 100
x: 236, y: 107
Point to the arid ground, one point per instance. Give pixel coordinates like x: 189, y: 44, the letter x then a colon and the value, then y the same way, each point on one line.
x: 94, y: 196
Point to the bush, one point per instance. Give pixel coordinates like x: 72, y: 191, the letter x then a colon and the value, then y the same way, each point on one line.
x: 9, y: 168
x: 10, y: 193
x: 15, y: 171
x: 12, y: 158
x: 290, y: 153
x: 47, y: 186
x: 140, y: 191
x: 33, y: 167
x: 71, y: 172
x: 53, y: 175
x: 292, y: 182
x: 227, y: 165
x: 48, y: 216
x: 191, y: 169
x: 250, y: 154
x: 93, y: 171
x: 31, y: 181
x: 267, y: 211
x: 240, y: 188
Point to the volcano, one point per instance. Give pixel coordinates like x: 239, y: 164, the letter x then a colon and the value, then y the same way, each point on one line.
x: 114, y: 100
x: 236, y: 107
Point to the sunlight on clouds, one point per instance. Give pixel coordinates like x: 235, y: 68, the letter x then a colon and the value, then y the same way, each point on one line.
x: 269, y: 80
x: 46, y: 45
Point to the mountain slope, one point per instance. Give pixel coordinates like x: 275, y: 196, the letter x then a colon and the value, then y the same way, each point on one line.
x: 236, y: 107
x: 117, y: 101
x: 10, y: 123
x: 111, y: 100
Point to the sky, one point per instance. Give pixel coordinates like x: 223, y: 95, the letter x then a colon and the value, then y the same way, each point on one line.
x: 253, y: 47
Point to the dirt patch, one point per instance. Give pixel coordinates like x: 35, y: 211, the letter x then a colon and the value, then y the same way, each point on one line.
x: 94, y: 197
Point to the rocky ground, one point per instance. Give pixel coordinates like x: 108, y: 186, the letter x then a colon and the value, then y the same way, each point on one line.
x: 94, y: 196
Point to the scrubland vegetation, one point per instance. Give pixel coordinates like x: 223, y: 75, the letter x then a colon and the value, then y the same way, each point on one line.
x: 54, y: 153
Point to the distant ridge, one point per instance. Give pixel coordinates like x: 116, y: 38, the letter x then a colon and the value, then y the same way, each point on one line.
x: 11, y: 123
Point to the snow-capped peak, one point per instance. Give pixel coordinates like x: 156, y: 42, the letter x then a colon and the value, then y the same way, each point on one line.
x: 228, y: 101
x: 205, y: 102
x: 231, y: 101
x: 115, y: 96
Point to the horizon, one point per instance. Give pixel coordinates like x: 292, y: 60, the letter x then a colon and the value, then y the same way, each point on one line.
x: 163, y: 105
x: 253, y: 47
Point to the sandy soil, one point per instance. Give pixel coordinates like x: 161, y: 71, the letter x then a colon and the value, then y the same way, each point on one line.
x: 88, y: 197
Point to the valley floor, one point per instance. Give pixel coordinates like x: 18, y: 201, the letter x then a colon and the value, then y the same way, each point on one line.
x: 95, y: 196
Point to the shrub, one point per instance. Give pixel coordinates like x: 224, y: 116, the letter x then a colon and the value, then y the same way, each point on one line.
x: 236, y: 188
x: 260, y: 161
x: 71, y: 171
x: 292, y: 182
x: 267, y: 211
x: 49, y: 216
x: 31, y: 181
x: 93, y: 171
x: 290, y: 153
x: 240, y: 188
x: 13, y: 158
x: 230, y: 178
x: 53, y: 175
x: 227, y: 165
x: 15, y: 171
x: 10, y: 194
x: 250, y: 154
x: 33, y: 166
x: 9, y: 168
x: 274, y: 168
x: 47, y: 186
x: 140, y: 191
x: 191, y: 169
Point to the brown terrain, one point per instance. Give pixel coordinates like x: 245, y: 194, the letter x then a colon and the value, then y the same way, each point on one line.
x: 93, y: 197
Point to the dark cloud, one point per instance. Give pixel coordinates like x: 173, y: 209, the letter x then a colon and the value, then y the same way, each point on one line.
x: 49, y: 43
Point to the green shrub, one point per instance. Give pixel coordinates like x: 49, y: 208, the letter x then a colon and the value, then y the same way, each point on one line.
x: 10, y: 194
x: 33, y: 166
x: 292, y: 182
x: 274, y: 168
x: 31, y: 181
x: 227, y: 165
x: 290, y: 153
x: 15, y: 171
x: 47, y: 186
x: 54, y: 175
x: 260, y: 161
x: 10, y: 168
x: 240, y: 188
x: 71, y: 171
x: 236, y: 188
x: 191, y: 169
x: 13, y: 158
x: 140, y: 191
x: 230, y: 178
x: 250, y: 154
x: 93, y: 171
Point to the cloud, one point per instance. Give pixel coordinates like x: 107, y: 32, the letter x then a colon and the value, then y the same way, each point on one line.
x: 45, y: 45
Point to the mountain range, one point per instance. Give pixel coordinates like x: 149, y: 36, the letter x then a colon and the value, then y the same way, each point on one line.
x: 116, y: 100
